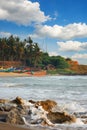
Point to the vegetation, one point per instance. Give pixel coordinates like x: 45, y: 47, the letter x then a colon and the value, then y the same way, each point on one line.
x: 29, y: 53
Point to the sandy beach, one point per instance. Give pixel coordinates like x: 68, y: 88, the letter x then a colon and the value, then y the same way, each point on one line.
x: 12, y: 74
x: 4, y: 126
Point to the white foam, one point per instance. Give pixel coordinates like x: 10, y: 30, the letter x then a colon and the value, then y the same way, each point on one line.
x: 73, y: 107
x: 79, y: 122
x: 37, y: 115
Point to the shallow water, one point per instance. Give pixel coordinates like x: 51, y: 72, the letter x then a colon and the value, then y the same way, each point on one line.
x: 70, y: 92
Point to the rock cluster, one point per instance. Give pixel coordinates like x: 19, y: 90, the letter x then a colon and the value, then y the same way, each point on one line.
x: 20, y: 111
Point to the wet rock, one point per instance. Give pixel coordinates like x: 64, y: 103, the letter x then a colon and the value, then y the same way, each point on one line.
x: 85, y: 121
x: 21, y: 103
x: 3, y: 116
x: 31, y: 101
x: 18, y: 101
x: 80, y: 114
x: 15, y: 117
x: 6, y: 107
x: 4, y: 101
x: 58, y: 117
x: 47, y: 105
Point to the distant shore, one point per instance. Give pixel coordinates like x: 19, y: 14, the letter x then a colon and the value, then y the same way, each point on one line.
x: 12, y: 74
x: 15, y: 74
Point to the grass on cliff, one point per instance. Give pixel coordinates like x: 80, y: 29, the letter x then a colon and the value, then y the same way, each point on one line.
x: 61, y: 71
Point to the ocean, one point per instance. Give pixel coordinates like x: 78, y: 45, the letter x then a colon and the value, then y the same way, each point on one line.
x: 70, y: 92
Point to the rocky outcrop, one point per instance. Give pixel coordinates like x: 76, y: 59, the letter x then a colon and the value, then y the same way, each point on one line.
x: 15, y: 117
x: 60, y: 117
x: 4, y: 101
x: 20, y: 111
x: 47, y: 105
x: 18, y: 101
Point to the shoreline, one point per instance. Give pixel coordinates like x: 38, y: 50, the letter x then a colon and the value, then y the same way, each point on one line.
x: 6, y: 126
x: 13, y: 74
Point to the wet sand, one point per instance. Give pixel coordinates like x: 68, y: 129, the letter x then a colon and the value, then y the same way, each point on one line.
x: 5, y: 126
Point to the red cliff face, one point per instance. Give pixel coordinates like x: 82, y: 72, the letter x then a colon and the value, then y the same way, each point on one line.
x: 8, y: 64
x: 73, y: 65
x: 79, y: 69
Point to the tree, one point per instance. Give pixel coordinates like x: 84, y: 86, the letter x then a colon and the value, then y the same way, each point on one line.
x: 37, y: 55
x: 29, y: 51
x: 59, y: 62
x: 45, y: 59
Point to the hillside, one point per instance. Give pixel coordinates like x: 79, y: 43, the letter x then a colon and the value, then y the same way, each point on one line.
x: 78, y: 69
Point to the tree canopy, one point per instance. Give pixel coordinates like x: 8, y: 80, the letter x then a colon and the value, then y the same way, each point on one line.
x: 29, y: 53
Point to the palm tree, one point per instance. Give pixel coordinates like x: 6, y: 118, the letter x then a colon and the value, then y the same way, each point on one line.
x: 37, y: 54
x: 30, y: 50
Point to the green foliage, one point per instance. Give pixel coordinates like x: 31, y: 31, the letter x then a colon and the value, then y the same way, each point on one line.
x: 45, y: 59
x: 59, y: 62
x: 27, y: 51
x: 52, y: 72
x: 61, y: 72
x: 66, y: 71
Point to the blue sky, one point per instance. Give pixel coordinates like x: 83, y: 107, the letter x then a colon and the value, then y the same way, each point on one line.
x: 59, y: 26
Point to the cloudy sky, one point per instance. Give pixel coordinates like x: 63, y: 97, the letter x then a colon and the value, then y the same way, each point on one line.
x: 59, y: 26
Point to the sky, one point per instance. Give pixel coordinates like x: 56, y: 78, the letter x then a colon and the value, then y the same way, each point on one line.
x: 59, y: 26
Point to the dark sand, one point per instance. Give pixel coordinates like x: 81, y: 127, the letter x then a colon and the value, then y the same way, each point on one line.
x: 5, y: 126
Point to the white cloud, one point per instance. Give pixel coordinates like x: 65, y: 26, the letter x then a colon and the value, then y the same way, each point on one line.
x: 22, y: 12
x: 80, y: 56
x: 53, y: 53
x: 70, y: 31
x: 72, y: 46
x: 5, y: 34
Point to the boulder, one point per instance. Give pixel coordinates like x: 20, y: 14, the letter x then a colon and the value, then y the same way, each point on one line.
x: 4, y: 101
x: 18, y: 101
x: 14, y: 117
x: 32, y: 101
x: 21, y: 102
x: 47, y: 105
x: 3, y: 116
x: 60, y: 117
x: 6, y: 107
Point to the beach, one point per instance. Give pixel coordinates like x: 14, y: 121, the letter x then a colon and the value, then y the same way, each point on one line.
x: 5, y: 126
x: 23, y: 74
x: 12, y: 74
x: 69, y: 92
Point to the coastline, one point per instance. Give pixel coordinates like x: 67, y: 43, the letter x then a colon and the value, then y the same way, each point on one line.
x: 5, y: 126
x: 12, y: 74
x: 36, y: 74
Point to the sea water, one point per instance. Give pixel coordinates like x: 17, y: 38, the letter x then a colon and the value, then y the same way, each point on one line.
x: 70, y: 92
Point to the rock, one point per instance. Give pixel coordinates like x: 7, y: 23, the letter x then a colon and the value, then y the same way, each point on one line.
x: 4, y: 101
x: 85, y: 121
x: 60, y: 117
x: 3, y: 116
x: 31, y: 101
x: 47, y: 105
x: 18, y: 101
x: 21, y: 102
x: 6, y: 107
x: 37, y: 115
x: 14, y: 117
